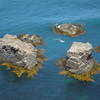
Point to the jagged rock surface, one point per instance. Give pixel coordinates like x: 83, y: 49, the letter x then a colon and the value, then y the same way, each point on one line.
x: 69, y: 29
x: 17, y: 52
x: 79, y: 59
x: 35, y: 40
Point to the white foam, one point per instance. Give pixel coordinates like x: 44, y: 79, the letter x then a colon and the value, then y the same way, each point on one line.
x: 60, y: 40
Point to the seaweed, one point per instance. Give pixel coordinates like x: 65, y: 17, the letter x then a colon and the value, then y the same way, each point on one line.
x: 97, y: 49
x: 87, y: 76
x: 19, y: 70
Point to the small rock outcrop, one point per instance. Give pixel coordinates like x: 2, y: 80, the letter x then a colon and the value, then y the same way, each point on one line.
x: 97, y: 49
x: 35, y: 40
x: 72, y: 30
x: 15, y: 52
x: 79, y: 62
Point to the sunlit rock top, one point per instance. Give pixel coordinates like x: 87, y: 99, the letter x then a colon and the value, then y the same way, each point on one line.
x: 79, y: 47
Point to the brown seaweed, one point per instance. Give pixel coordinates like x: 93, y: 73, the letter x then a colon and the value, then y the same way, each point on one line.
x: 97, y: 49
x: 87, y: 76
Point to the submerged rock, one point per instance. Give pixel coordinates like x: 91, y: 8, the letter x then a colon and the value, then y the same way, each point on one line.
x: 17, y: 54
x: 35, y: 40
x: 97, y: 49
x: 79, y: 62
x: 69, y: 29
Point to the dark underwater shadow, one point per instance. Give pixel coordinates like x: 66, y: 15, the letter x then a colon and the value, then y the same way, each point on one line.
x: 9, y: 76
x: 83, y: 89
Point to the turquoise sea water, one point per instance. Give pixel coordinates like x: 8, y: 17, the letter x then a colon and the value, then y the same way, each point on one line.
x: 37, y: 17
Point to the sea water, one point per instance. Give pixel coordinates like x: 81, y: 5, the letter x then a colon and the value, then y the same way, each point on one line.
x: 37, y: 17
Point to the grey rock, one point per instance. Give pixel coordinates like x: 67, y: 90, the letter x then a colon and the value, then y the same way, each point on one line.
x: 79, y: 58
x: 17, y: 52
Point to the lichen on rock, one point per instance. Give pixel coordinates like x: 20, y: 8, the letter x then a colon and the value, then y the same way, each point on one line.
x: 79, y: 62
x: 21, y: 57
x: 72, y: 30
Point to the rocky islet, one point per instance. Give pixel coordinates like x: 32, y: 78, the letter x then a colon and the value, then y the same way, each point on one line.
x: 72, y: 30
x: 20, y: 56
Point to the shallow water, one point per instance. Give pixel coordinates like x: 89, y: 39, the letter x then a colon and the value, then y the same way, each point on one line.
x: 37, y: 17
